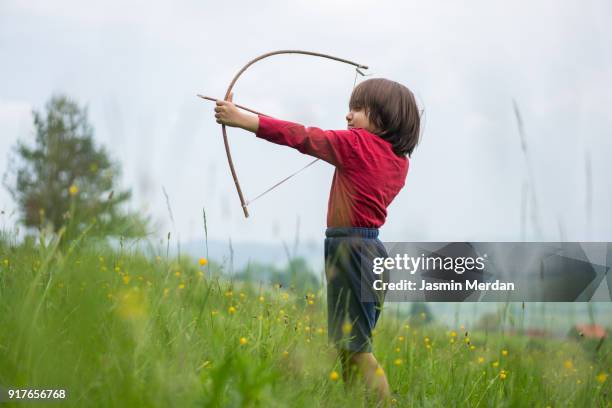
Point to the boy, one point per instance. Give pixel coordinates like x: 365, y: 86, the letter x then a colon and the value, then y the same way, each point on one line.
x: 371, y: 167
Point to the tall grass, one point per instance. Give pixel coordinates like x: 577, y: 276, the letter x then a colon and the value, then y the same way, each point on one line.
x: 529, y: 189
x: 116, y: 328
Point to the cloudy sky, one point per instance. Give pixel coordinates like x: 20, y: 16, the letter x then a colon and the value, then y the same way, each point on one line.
x: 137, y: 65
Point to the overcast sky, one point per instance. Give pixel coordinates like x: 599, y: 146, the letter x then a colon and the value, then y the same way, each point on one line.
x: 137, y: 65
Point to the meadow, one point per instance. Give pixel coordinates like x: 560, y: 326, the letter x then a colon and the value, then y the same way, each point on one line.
x: 115, y: 327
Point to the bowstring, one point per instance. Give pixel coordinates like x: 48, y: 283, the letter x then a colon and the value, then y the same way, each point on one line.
x: 282, y: 181
x: 249, y: 202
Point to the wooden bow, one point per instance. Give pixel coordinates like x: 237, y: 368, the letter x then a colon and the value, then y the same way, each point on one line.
x: 243, y: 203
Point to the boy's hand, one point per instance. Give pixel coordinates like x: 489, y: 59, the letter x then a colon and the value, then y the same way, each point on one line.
x: 228, y: 114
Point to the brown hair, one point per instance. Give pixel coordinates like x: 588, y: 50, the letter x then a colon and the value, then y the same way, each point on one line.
x: 392, y: 109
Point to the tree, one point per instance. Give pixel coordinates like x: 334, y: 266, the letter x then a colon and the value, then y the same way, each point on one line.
x: 65, y: 180
x: 489, y: 321
x: 420, y: 313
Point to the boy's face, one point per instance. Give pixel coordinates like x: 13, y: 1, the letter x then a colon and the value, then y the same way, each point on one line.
x: 358, y: 118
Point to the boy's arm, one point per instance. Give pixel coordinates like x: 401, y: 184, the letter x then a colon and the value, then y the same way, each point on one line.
x: 332, y: 146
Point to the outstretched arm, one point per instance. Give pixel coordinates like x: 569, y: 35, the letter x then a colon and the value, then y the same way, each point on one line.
x: 333, y: 146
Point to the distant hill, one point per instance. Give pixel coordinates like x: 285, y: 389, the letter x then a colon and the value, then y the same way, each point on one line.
x: 245, y: 252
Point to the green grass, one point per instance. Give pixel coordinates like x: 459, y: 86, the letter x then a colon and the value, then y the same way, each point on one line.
x: 115, y: 328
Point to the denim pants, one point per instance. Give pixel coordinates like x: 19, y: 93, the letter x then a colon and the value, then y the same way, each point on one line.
x: 351, y: 316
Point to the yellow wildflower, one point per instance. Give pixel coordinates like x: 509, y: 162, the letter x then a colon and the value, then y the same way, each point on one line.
x: 243, y: 341
x: 346, y: 328
x: 481, y: 360
x: 333, y: 376
x: 203, y: 261
x: 181, y: 286
x: 231, y: 310
x: 132, y: 305
x: 401, y: 338
x: 472, y: 348
x: 397, y: 361
x: 177, y: 273
x: 502, y: 375
x: 495, y: 363
x: 601, y: 378
x: 453, y: 333
x: 73, y: 190
x: 504, y: 353
x: 379, y: 371
x: 126, y: 279
x: 568, y: 364
x: 285, y: 354
x: 262, y: 299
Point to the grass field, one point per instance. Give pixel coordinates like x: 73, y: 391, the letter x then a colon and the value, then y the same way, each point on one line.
x: 115, y: 328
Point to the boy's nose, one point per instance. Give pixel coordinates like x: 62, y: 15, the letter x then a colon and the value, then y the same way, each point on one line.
x: 348, y: 117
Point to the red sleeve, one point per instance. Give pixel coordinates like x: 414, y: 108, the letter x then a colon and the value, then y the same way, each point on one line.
x: 334, y: 146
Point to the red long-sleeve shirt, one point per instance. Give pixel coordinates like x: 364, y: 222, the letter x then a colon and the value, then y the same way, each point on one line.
x: 368, y: 173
